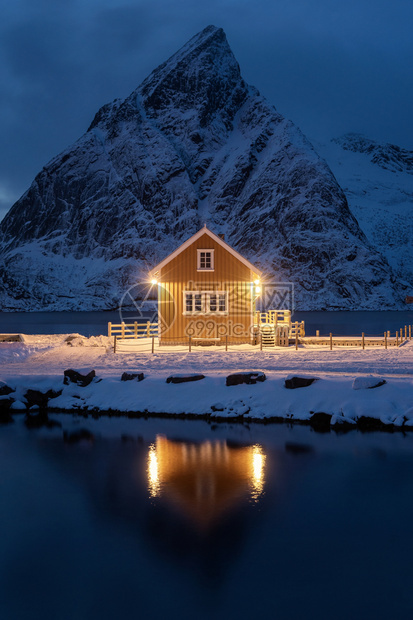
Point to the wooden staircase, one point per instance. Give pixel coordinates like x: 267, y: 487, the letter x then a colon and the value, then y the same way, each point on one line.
x: 274, y: 335
x: 267, y: 335
x: 276, y: 328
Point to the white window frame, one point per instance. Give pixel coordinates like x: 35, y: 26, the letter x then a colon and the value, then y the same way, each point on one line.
x: 202, y: 300
x: 199, y: 257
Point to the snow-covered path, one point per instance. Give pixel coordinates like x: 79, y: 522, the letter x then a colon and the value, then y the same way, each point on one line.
x: 51, y: 355
x: 39, y: 364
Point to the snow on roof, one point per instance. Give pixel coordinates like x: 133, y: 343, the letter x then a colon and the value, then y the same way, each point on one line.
x: 204, y: 230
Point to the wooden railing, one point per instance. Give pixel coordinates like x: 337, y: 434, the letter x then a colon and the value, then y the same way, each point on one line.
x: 273, y: 317
x: 280, y: 318
x: 133, y: 330
x: 297, y: 328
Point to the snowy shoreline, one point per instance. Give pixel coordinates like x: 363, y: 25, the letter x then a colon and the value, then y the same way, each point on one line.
x: 342, y: 396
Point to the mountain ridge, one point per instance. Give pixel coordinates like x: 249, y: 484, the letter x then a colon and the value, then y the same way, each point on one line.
x: 192, y: 144
x: 377, y: 181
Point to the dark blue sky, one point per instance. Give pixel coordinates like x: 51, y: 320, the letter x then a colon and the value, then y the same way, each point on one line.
x: 330, y: 67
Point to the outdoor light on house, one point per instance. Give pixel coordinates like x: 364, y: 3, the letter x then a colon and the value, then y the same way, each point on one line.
x: 206, y: 293
x: 257, y: 284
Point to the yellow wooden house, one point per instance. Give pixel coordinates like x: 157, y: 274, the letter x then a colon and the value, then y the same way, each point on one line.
x: 206, y: 292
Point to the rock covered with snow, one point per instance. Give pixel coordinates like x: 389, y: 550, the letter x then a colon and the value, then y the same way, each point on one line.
x: 193, y: 144
x: 378, y: 182
x: 387, y: 156
x: 367, y: 383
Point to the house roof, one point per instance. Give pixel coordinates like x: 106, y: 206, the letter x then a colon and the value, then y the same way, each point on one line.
x: 215, y: 238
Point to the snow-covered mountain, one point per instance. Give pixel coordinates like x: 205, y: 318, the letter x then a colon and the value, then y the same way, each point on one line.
x: 193, y: 144
x: 378, y: 182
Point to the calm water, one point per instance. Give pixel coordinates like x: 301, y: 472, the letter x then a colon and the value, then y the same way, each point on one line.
x: 187, y: 520
x: 95, y: 323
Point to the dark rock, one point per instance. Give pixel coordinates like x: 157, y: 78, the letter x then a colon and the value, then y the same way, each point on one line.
x: 341, y: 424
x: 378, y: 384
x: 366, y: 423
x: 184, y: 378
x: 320, y: 421
x: 250, y: 378
x: 73, y: 376
x: 80, y: 434
x: 35, y: 397
x: 299, y: 382
x: 11, y: 338
x: 72, y: 337
x: 5, y: 390
x: 130, y: 376
x: 5, y: 415
x: 218, y: 407
x: 298, y: 448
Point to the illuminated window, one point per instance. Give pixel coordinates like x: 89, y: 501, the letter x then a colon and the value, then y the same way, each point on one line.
x: 198, y: 305
x: 205, y: 260
x: 204, y: 302
x: 189, y: 302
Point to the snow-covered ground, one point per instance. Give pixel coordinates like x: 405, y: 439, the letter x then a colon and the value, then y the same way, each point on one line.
x: 39, y: 362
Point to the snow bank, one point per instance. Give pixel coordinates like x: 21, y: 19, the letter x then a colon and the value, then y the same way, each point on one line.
x: 390, y: 403
x: 343, y: 390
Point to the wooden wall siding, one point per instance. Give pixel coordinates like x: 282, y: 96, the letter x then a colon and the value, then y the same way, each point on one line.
x: 229, y: 274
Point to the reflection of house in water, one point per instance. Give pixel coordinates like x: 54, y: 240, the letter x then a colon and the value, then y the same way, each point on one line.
x: 191, y: 503
x: 207, y: 479
x: 202, y: 497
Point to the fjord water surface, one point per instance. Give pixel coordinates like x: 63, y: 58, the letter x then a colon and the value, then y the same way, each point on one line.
x: 96, y: 323
x: 183, y: 519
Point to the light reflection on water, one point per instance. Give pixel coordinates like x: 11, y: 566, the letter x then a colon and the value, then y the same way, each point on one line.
x: 217, y: 522
x: 205, y: 479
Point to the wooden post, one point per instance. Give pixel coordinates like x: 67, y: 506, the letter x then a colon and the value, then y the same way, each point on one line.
x: 410, y: 332
x: 226, y: 343
x: 136, y: 329
x: 114, y: 344
x: 190, y: 343
x: 260, y: 341
x: 296, y: 339
x: 317, y: 333
x: 401, y: 336
x: 331, y: 341
x: 397, y: 338
x: 362, y: 340
x: 109, y: 329
x: 405, y: 332
x: 153, y: 344
x: 123, y: 329
x: 148, y: 329
x: 385, y: 340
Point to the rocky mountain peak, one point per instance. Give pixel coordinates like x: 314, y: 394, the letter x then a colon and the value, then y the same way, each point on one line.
x: 206, y: 58
x: 193, y: 144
